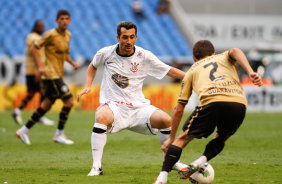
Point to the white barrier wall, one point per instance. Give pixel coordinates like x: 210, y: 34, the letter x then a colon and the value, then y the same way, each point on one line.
x: 268, y: 99
x: 235, y: 30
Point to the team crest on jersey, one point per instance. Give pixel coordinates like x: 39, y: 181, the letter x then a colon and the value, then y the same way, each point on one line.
x: 134, y: 67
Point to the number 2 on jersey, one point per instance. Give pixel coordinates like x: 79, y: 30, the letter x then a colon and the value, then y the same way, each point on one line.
x: 213, y: 70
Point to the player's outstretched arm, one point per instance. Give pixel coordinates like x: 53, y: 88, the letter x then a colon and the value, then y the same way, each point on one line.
x: 91, y: 72
x: 239, y: 56
x: 176, y: 73
x: 71, y: 62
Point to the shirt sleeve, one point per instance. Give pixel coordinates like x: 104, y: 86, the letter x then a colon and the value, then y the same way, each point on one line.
x: 230, y: 59
x: 29, y: 40
x: 98, y: 59
x: 43, y: 40
x: 157, y: 68
x: 186, y: 88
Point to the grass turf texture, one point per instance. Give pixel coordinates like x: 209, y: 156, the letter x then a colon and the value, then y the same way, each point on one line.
x: 253, y: 155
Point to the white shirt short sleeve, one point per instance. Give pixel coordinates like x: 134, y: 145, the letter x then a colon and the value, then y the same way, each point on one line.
x: 158, y: 69
x: 98, y: 59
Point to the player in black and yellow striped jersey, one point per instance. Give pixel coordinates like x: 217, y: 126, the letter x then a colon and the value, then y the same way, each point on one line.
x: 214, y: 79
x: 56, y: 49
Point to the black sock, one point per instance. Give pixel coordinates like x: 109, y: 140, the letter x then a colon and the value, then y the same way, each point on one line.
x: 63, y: 117
x: 35, y: 117
x: 26, y: 100
x: 213, y: 148
x: 171, y: 157
x: 41, y: 97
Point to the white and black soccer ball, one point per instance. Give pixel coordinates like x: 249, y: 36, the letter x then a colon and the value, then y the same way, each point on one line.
x: 205, y: 175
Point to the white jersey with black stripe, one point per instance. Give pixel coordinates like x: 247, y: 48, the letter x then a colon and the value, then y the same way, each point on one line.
x: 123, y: 77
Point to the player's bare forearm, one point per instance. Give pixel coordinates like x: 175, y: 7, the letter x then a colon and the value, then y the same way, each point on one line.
x: 176, y: 118
x: 72, y: 62
x: 176, y: 73
x: 91, y: 72
x: 35, y: 55
x: 239, y: 56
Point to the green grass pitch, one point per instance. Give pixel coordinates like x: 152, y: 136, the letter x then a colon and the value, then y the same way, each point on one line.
x: 253, y: 155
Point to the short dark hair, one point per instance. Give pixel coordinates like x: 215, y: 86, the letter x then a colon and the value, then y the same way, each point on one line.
x: 63, y: 12
x: 126, y: 25
x: 35, y: 26
x: 202, y: 49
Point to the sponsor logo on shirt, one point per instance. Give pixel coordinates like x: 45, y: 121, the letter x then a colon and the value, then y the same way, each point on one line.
x: 121, y: 81
x: 124, y: 103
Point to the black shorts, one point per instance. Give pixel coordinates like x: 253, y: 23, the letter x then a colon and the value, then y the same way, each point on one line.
x: 32, y: 84
x: 225, y: 116
x: 55, y: 89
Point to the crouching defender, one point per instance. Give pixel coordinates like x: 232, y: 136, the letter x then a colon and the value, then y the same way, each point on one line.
x: 122, y: 102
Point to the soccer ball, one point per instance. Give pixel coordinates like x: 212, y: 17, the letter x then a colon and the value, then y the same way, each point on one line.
x: 205, y: 175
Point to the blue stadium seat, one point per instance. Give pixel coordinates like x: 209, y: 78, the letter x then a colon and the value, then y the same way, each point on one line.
x: 93, y: 25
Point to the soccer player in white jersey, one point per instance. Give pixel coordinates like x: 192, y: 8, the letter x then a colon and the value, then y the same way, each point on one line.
x: 122, y: 103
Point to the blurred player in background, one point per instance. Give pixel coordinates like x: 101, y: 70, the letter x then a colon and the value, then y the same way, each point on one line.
x: 122, y: 102
x: 56, y: 49
x: 32, y: 74
x: 222, y: 105
x: 138, y: 8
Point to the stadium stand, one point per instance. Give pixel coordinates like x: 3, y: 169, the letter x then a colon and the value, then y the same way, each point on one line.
x: 246, y: 7
x: 93, y: 26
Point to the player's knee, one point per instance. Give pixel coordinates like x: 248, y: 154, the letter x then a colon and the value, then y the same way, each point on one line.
x: 222, y: 138
x: 46, y: 105
x: 104, y: 118
x: 161, y: 124
x: 167, y: 121
x: 160, y: 120
x: 101, y: 118
x: 69, y: 103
